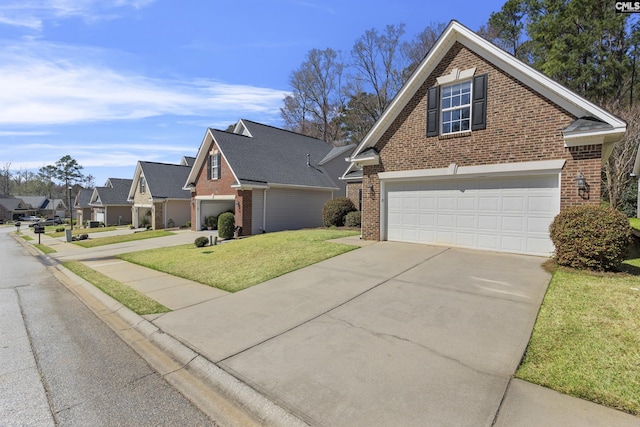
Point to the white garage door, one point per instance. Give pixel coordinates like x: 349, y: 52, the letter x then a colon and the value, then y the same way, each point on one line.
x: 508, y: 214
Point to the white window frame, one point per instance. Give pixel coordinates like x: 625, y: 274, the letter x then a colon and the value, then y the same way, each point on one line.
x: 215, y: 165
x: 460, y: 107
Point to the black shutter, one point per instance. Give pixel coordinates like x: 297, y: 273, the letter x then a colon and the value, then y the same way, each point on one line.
x: 479, y: 119
x: 209, y: 166
x: 433, y: 112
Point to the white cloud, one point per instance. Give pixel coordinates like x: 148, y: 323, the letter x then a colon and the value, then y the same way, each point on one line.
x: 32, y: 14
x: 44, y: 84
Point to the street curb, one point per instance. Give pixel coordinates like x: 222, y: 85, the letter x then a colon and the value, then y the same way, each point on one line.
x: 224, y: 398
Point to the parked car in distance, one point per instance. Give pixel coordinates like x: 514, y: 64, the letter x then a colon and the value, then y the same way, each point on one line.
x: 48, y: 221
x: 29, y: 218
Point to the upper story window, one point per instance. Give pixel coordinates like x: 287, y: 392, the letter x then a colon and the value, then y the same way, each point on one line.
x: 213, y: 171
x: 458, y: 104
x: 456, y: 108
x: 143, y: 185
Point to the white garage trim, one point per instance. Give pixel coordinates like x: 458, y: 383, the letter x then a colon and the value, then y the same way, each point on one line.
x: 507, y: 211
x: 510, y: 169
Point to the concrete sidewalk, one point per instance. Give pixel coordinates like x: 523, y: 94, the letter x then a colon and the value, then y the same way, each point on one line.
x: 390, y: 334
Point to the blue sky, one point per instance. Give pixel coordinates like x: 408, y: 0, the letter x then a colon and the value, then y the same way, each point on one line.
x: 111, y: 82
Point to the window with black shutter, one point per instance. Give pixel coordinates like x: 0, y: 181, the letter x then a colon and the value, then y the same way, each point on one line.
x: 458, y: 107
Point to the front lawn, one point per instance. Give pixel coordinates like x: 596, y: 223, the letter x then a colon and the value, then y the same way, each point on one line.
x: 110, y: 240
x: 129, y: 297
x: 237, y: 265
x: 51, y: 230
x: 635, y: 223
x: 586, y: 341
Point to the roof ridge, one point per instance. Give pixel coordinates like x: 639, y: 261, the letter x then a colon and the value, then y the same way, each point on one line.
x: 287, y: 130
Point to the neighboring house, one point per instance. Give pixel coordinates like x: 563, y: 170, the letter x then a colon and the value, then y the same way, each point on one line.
x: 157, y: 195
x: 110, y: 204
x: 12, y: 208
x: 81, y: 205
x: 272, y: 179
x: 353, y: 179
x: 480, y: 150
x: 45, y: 207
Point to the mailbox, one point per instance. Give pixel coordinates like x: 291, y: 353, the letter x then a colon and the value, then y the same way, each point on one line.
x: 38, y: 229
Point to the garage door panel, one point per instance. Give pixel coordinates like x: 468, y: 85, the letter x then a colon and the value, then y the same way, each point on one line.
x: 502, y: 214
x: 488, y: 222
x: 538, y: 225
x: 514, y: 223
x: 445, y: 221
x: 465, y: 239
x: 465, y: 221
x: 489, y: 203
x: 427, y: 219
x: 514, y: 204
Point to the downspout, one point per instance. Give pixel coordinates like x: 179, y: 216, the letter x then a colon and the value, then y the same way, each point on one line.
x: 264, y: 211
x: 361, y: 205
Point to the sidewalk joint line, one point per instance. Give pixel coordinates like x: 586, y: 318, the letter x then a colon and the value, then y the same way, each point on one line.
x: 335, y: 307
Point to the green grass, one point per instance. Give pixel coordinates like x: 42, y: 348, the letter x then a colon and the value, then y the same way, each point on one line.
x: 129, y: 297
x: 51, y: 230
x: 25, y: 237
x: 110, y: 240
x: 44, y: 248
x: 586, y: 341
x: 237, y: 265
x: 635, y: 223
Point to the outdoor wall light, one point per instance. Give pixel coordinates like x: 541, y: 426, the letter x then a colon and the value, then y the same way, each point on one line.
x: 581, y: 182
x: 371, y: 191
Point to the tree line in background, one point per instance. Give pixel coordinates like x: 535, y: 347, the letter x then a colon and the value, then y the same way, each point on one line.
x: 57, y: 181
x: 582, y: 44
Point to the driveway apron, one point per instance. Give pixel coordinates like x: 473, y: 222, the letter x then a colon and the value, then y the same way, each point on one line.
x: 389, y: 334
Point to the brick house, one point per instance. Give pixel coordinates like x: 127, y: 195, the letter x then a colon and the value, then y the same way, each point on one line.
x: 480, y: 150
x: 272, y: 179
x: 156, y: 194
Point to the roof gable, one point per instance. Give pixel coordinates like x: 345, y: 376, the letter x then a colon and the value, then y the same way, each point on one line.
x: 164, y: 180
x: 115, y: 192
x: 546, y: 87
x: 263, y: 155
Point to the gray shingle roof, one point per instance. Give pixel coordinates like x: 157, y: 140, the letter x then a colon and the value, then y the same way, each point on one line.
x: 115, y: 194
x: 35, y: 202
x: 275, y: 156
x: 586, y: 124
x: 165, y: 180
x: 13, y: 203
x: 84, y: 198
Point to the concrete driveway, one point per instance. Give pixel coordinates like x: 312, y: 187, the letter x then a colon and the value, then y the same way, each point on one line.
x: 390, y: 334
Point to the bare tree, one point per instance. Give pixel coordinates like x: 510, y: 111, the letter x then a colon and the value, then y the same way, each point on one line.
x: 316, y: 90
x: 617, y: 171
x: 377, y: 63
x: 5, y: 179
x: 415, y: 50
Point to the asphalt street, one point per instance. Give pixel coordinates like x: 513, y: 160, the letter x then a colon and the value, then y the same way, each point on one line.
x: 61, y: 365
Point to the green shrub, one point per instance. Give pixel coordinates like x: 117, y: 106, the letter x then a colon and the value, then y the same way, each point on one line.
x: 226, y: 225
x: 59, y: 229
x: 353, y: 219
x: 335, y: 210
x: 201, y: 241
x: 211, y: 222
x: 590, y: 237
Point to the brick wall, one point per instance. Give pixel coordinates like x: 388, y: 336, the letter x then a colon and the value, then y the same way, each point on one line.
x: 353, y: 193
x: 222, y: 186
x: 521, y: 126
x: 243, y: 211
